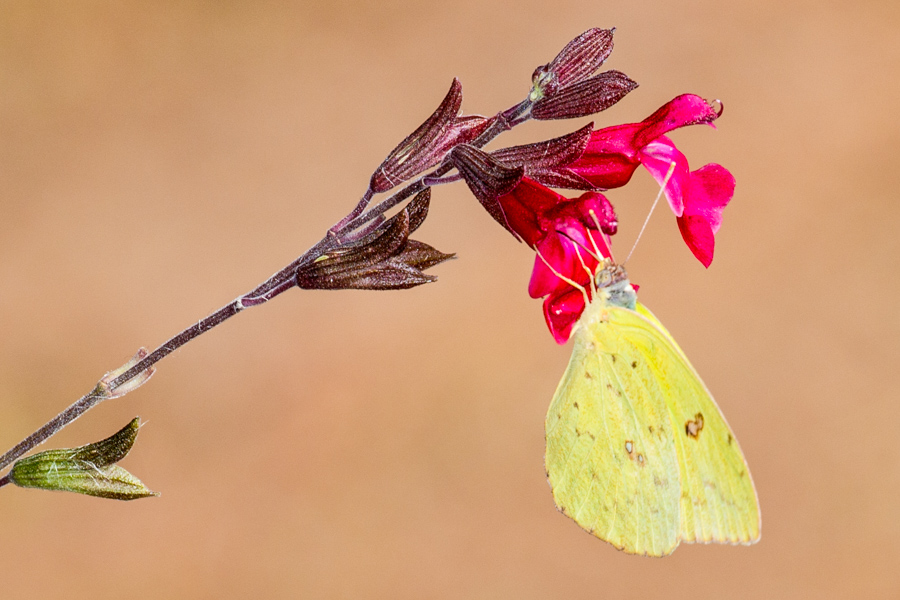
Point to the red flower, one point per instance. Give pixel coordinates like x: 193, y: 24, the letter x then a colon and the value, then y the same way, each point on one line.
x: 565, y: 234
x: 696, y: 197
x: 570, y: 234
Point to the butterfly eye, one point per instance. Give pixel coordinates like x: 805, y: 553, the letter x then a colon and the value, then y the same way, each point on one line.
x: 602, y: 278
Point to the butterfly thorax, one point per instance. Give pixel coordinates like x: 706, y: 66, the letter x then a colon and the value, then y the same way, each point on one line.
x: 613, y: 286
x: 613, y: 289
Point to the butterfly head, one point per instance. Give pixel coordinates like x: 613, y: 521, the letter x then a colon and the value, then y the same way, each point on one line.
x: 612, y: 284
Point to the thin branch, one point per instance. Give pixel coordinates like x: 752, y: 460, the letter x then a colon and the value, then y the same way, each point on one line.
x: 344, y: 231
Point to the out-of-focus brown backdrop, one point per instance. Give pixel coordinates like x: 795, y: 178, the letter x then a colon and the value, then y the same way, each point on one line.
x: 159, y: 159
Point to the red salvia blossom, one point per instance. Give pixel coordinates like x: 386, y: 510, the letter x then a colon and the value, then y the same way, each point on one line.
x: 701, y: 195
x: 565, y: 234
x: 610, y: 156
x: 696, y: 197
x: 531, y: 210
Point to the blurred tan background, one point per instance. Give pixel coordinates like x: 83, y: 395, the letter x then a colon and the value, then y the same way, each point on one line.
x: 159, y: 159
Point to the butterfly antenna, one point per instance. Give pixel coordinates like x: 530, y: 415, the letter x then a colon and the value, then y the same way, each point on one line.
x: 662, y: 189
x: 571, y: 282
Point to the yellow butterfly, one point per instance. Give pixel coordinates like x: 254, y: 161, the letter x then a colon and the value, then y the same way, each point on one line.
x: 638, y: 453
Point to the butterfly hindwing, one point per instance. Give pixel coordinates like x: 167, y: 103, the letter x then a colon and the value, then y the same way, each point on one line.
x: 719, y: 502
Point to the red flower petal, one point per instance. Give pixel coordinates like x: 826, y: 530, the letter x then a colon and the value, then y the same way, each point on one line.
x: 580, y: 209
x: 612, y: 153
x: 558, y: 254
x: 657, y: 157
x: 701, y: 195
x: 562, y: 312
x: 570, y: 253
x: 698, y: 235
x: 523, y: 206
x: 681, y: 111
x: 712, y: 188
x: 608, y: 162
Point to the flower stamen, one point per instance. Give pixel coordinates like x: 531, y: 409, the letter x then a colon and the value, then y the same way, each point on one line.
x: 589, y: 272
x: 571, y: 282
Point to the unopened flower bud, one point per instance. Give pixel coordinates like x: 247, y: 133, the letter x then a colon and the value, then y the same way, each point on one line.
x: 576, y: 62
x: 429, y: 144
x: 383, y: 259
x: 584, y: 97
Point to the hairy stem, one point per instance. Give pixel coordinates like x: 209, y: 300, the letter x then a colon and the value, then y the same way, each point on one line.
x: 278, y: 283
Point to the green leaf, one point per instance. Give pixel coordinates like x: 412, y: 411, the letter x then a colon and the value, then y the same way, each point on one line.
x: 89, y: 469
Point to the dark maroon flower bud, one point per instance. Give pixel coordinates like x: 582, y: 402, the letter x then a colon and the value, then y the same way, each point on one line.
x: 421, y: 256
x: 383, y: 259
x: 487, y: 177
x: 584, y: 97
x: 427, y: 145
x: 546, y: 161
x: 582, y: 56
x: 413, y: 154
x: 576, y: 62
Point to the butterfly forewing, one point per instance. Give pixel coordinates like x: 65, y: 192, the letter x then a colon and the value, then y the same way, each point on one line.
x: 611, y: 457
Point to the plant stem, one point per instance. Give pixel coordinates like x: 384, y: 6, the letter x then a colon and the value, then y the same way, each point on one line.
x: 280, y: 282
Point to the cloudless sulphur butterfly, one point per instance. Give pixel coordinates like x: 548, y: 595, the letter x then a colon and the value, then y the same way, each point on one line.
x: 638, y: 453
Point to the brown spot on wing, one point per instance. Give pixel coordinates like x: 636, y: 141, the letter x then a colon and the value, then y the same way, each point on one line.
x: 581, y: 432
x: 634, y: 364
x: 693, y: 427
x: 633, y: 454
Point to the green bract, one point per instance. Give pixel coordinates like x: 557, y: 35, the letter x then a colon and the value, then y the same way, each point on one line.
x: 89, y: 469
